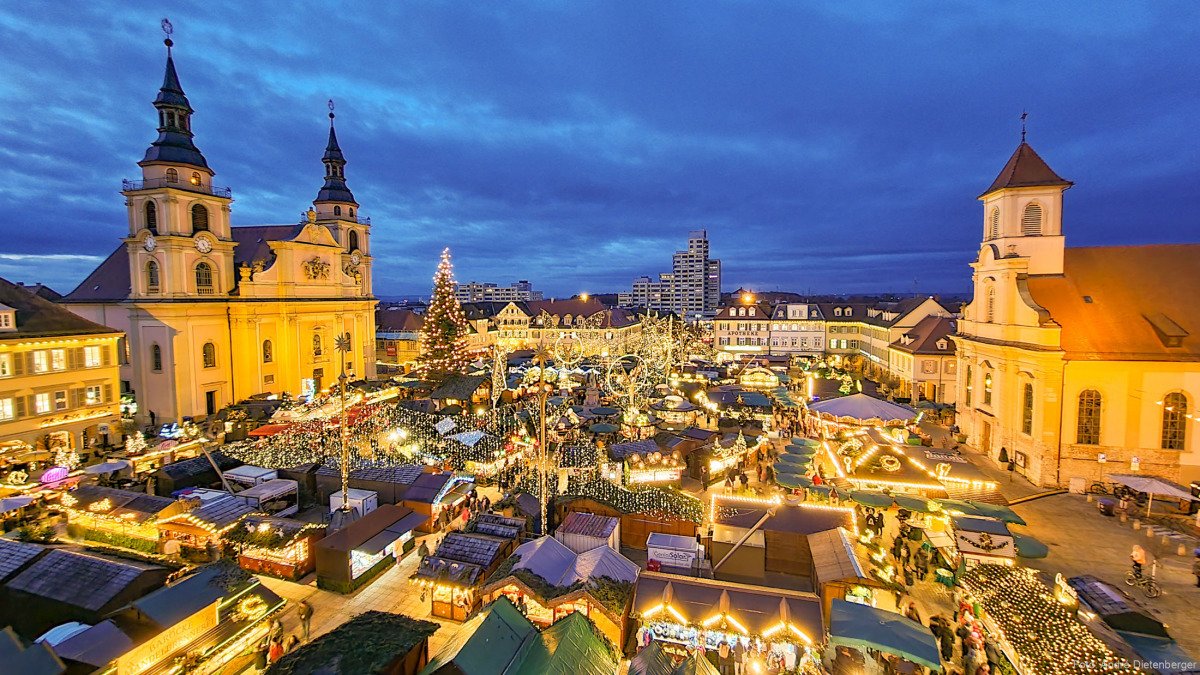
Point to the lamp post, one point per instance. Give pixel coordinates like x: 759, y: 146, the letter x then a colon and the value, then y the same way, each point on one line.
x: 543, y: 393
x: 345, y: 514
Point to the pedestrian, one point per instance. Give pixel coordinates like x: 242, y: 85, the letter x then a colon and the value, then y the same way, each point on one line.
x: 745, y: 480
x: 260, y: 655
x: 290, y: 643
x: 729, y: 483
x: 723, y: 656
x: 1196, y: 567
x: 912, y: 612
x: 305, y: 610
x: 275, y: 651
x: 739, y: 657
x: 153, y: 419
x: 1137, y: 557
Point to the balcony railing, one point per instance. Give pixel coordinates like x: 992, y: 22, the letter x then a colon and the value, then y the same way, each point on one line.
x: 156, y: 183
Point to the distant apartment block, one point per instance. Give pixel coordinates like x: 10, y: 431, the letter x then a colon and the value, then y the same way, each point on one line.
x: 692, y: 289
x: 522, y: 291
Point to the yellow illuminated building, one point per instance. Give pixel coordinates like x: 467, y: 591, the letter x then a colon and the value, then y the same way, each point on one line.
x: 1078, y: 362
x: 59, y: 385
x: 215, y: 313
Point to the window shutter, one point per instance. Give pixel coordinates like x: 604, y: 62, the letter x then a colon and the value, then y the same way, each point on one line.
x: 29, y: 362
x: 76, y: 398
x: 74, y: 358
x: 108, y: 394
x: 18, y: 361
x: 19, y: 407
x: 1031, y: 220
x: 106, y: 355
x: 31, y: 405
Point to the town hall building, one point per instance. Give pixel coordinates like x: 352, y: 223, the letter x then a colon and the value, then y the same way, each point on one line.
x: 1077, y: 362
x: 214, y: 313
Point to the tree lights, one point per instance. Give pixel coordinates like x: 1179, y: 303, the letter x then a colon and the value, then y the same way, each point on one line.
x: 444, y: 335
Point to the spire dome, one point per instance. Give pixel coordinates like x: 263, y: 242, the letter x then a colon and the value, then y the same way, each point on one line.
x: 335, y: 188
x: 174, y: 144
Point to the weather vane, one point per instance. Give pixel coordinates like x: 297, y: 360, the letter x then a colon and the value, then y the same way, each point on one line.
x: 1024, y: 114
x: 167, y: 30
x: 330, y: 104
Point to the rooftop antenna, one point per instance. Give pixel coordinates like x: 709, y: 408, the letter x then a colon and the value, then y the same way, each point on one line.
x: 167, y: 30
x: 1024, y: 114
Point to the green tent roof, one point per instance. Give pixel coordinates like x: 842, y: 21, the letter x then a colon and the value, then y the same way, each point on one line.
x: 569, y: 647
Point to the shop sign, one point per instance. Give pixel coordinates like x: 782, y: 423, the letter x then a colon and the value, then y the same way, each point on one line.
x: 672, y: 557
x: 1063, y: 591
x: 156, y: 649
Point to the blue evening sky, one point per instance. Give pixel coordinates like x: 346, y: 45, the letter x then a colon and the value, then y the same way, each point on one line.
x: 826, y: 147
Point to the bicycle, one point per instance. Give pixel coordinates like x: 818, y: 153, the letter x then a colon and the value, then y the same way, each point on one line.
x: 1117, y: 490
x: 1147, y: 583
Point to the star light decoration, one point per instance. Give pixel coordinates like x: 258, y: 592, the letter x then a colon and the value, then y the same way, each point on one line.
x: 1044, y: 633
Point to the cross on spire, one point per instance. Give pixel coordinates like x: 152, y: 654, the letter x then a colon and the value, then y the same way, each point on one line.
x: 1024, y: 114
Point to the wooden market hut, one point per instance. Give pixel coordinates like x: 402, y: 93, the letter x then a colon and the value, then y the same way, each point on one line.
x: 439, y: 496
x: 359, y: 552
x: 454, y: 573
x: 390, y: 484
x: 837, y: 571
x: 205, y: 522
x: 278, y: 547
x: 118, y: 517
x: 549, y: 581
x: 190, y: 473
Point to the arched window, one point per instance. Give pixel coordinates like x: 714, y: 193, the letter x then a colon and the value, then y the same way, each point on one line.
x: 199, y: 218
x: 993, y: 227
x: 172, y: 176
x: 156, y: 358
x: 195, y: 178
x: 1027, y: 409
x: 208, y: 354
x: 1087, y: 424
x: 152, y: 217
x: 969, y: 384
x: 1174, y: 421
x: 204, y: 278
x: 337, y: 210
x: 151, y: 276
x: 1031, y: 221
x: 268, y: 354
x: 989, y: 309
x: 987, y: 389
x: 318, y: 345
x: 351, y: 214
x: 352, y: 240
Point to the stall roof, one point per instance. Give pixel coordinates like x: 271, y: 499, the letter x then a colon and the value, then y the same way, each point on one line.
x: 863, y: 407
x: 1118, y: 611
x: 79, y: 579
x: 97, y: 646
x: 90, y: 498
x: 427, y: 487
x: 976, y: 524
x: 560, y: 566
x: 250, y: 472
x: 492, y: 637
x: 268, y: 430
x: 756, y: 607
x: 219, y: 513
x: 588, y: 524
x: 171, y: 604
x: 499, y: 526
x: 365, y: 644
x: 474, y: 548
x: 794, y: 519
x: 676, y: 542
x: 362, y: 530
x: 197, y: 466
x: 270, y: 488
x: 14, y: 555
x: 860, y: 626
x: 571, y: 645
x: 404, y: 474
x: 36, y: 659
x: 834, y: 558
x: 623, y: 450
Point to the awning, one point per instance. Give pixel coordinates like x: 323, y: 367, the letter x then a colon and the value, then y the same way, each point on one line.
x: 376, y: 544
x: 1153, y: 486
x: 268, y: 430
x: 406, y: 524
x: 863, y: 626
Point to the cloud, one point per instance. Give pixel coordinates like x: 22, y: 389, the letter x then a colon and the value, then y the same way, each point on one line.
x: 824, y: 147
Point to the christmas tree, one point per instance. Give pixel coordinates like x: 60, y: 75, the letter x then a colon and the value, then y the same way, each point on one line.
x: 444, y: 335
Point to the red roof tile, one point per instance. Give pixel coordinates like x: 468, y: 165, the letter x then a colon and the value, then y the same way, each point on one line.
x: 1026, y: 169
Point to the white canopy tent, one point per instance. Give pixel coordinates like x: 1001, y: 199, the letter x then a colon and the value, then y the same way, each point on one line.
x: 1153, y: 486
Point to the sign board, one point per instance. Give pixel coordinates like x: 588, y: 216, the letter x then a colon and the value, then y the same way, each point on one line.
x: 1064, y: 593
x: 1135, y: 463
x: 102, y: 428
x: 152, y: 652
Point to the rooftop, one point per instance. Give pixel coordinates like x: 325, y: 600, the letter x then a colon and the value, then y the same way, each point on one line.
x: 38, y: 317
x: 79, y: 579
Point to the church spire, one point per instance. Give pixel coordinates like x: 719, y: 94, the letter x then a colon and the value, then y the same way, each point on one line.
x: 335, y: 189
x: 174, y: 143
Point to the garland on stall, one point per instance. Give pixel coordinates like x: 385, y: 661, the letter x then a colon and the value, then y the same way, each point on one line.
x: 661, y: 502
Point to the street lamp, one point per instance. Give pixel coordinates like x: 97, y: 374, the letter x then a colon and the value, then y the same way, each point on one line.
x: 543, y: 394
x: 345, y: 515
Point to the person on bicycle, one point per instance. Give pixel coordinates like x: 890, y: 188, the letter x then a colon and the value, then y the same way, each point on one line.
x: 1138, y: 558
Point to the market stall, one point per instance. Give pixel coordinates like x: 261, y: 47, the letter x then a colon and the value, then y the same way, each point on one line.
x: 118, y: 517
x: 279, y: 547
x: 983, y: 540
x: 276, y: 497
x: 453, y: 574
x: 357, y: 553
x: 211, y: 513
x: 864, y: 627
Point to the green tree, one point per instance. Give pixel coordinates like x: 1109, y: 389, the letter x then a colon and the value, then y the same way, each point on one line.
x: 444, y: 334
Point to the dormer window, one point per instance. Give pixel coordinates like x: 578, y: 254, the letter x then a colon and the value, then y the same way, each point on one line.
x: 751, y: 311
x: 941, y: 345
x: 849, y: 311
x: 837, y: 311
x: 8, y: 319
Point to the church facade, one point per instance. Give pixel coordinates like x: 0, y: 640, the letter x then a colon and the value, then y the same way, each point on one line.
x: 213, y: 313
x: 1077, y: 362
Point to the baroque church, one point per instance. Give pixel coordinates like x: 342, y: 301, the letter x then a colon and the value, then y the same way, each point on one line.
x: 1077, y: 363
x: 213, y: 313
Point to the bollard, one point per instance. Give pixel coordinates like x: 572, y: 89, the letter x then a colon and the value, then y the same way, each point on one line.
x: 1137, y: 523
x: 1166, y: 539
x: 1124, y: 517
x: 1182, y: 550
x: 1149, y: 532
x: 1090, y: 497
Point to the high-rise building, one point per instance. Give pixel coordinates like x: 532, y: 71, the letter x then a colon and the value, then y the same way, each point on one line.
x: 692, y: 289
x: 521, y: 291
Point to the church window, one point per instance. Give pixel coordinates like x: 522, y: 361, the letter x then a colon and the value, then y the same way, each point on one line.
x: 1174, y: 420
x: 156, y: 358
x: 267, y: 350
x: 1087, y: 424
x: 152, y: 276
x: 352, y: 240
x: 969, y: 384
x: 172, y: 176
x: 337, y: 210
x: 1027, y: 409
x: 162, y: 118
x: 1031, y: 221
x: 994, y: 224
x: 990, y: 306
x: 152, y: 217
x: 204, y: 278
x: 318, y: 345
x: 195, y: 180
x: 170, y: 119
x: 199, y: 218
x: 987, y: 389
x: 351, y: 214
x: 208, y: 354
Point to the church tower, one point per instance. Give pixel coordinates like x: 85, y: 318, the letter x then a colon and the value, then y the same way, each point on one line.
x: 337, y: 210
x: 179, y: 241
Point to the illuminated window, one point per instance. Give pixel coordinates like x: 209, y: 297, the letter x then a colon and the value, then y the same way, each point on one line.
x: 969, y: 386
x: 318, y: 345
x: 5, y: 365
x: 41, y: 403
x: 1027, y: 409
x: 58, y: 359
x: 1031, y: 221
x: 91, y: 356
x: 987, y: 389
x: 1174, y: 421
x: 195, y: 180
x: 1087, y: 426
x: 208, y: 354
x: 6, y: 409
x: 60, y: 399
x: 92, y: 395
